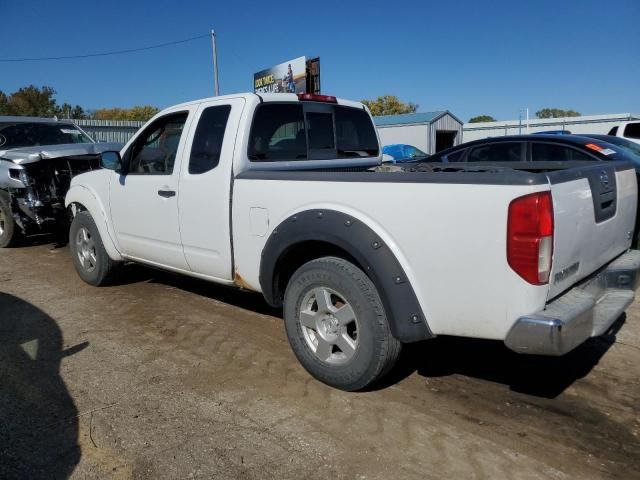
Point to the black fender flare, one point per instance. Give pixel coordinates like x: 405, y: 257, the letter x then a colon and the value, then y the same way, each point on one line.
x: 406, y: 318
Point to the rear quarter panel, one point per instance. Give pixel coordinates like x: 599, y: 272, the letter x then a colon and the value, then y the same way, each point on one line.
x: 449, y: 238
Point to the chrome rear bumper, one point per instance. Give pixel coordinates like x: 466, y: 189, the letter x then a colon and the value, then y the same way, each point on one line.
x: 587, y: 310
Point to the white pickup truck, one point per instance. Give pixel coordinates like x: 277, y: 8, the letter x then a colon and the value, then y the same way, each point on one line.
x: 628, y: 130
x: 283, y: 195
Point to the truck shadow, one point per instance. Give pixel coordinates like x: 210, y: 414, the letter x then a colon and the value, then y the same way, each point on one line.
x: 245, y: 299
x: 38, y: 418
x: 490, y: 360
x: 443, y: 356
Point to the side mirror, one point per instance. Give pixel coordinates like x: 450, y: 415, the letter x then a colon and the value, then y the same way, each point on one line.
x: 111, y: 161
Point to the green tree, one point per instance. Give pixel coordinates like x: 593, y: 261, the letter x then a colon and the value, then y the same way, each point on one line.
x: 389, y: 105
x: 78, y: 112
x: 139, y: 112
x: 4, y: 103
x: 32, y: 101
x: 482, y: 118
x: 556, y: 113
x: 68, y: 111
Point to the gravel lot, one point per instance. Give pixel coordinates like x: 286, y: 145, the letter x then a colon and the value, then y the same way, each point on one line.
x: 167, y: 377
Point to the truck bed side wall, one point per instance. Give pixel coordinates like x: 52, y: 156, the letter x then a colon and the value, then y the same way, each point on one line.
x: 450, y: 239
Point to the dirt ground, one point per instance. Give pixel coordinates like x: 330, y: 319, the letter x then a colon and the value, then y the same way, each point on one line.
x: 167, y: 377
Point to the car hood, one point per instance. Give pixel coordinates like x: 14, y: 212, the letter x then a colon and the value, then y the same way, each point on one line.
x: 24, y: 155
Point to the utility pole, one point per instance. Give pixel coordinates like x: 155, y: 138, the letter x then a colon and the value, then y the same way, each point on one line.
x: 520, y: 122
x: 215, y: 63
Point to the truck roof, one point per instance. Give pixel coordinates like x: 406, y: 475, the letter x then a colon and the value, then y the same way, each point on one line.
x: 265, y: 97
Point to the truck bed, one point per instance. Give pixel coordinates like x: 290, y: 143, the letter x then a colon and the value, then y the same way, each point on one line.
x: 448, y: 227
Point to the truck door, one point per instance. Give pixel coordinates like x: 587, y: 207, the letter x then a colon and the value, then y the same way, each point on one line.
x: 205, y: 188
x: 144, y: 202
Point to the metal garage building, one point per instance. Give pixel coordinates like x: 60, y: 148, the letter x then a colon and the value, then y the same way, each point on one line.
x: 429, y: 131
x: 585, y: 124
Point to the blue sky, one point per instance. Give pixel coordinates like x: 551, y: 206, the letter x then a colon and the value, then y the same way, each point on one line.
x: 471, y: 57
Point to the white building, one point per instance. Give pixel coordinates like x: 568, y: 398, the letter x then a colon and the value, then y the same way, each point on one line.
x: 428, y: 131
x: 585, y: 124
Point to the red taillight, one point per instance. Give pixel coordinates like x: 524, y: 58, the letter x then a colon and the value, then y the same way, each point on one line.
x: 530, y: 237
x: 317, y: 98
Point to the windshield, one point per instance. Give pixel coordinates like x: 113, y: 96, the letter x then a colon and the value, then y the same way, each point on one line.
x: 29, y: 134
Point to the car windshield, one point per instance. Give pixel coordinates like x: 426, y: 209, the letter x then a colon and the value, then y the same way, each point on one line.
x: 29, y: 134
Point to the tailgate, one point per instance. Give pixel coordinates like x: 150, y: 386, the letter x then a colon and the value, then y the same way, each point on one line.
x: 594, y: 217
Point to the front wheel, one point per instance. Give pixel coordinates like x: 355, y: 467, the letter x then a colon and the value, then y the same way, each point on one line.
x: 90, y: 258
x: 9, y: 232
x: 337, y: 325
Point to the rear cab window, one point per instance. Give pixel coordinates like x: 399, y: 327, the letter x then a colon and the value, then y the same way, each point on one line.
x: 311, y: 131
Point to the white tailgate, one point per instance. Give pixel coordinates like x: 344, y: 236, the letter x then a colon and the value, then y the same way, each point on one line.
x: 582, y: 242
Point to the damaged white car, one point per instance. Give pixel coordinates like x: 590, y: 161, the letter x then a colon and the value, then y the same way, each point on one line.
x: 38, y: 158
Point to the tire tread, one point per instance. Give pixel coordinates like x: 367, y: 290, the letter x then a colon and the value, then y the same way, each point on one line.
x: 387, y: 347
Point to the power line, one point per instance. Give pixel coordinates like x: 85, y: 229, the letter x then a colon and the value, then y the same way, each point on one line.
x: 103, y: 54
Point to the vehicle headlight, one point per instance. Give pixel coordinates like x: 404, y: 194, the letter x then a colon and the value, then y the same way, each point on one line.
x: 24, y: 178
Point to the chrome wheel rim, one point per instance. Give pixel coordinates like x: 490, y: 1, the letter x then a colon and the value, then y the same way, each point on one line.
x: 2, y: 220
x: 86, y: 250
x: 329, y: 325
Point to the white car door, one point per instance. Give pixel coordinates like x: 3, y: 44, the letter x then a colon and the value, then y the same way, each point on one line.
x: 144, y: 202
x: 205, y: 188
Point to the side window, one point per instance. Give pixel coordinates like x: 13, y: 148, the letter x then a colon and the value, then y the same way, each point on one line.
x: 154, y: 151
x: 632, y: 130
x: 207, y: 141
x: 613, y: 131
x: 549, y: 152
x: 278, y: 133
x: 497, y: 152
x: 456, y: 156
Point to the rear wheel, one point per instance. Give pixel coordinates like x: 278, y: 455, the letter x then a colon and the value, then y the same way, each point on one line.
x: 337, y: 326
x: 90, y: 258
x: 9, y: 233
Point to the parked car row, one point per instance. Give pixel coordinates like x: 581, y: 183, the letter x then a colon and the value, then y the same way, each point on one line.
x: 284, y: 194
x: 542, y: 148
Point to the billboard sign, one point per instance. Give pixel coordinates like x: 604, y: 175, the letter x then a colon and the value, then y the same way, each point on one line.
x: 287, y: 77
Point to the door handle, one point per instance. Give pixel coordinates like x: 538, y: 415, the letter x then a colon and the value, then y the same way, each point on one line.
x: 167, y: 193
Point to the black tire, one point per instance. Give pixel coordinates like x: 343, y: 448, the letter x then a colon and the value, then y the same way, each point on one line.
x: 90, y: 258
x: 10, y: 234
x: 375, y: 351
